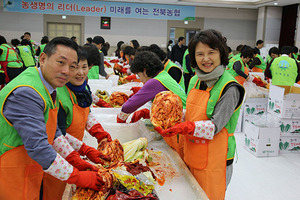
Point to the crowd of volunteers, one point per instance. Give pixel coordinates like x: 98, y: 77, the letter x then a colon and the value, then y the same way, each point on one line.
x: 45, y: 102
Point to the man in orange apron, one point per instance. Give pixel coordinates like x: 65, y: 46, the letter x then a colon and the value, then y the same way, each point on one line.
x: 74, y: 116
x: 31, y: 143
x: 212, y: 110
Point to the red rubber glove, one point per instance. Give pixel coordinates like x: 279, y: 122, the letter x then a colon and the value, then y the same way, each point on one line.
x: 98, y: 132
x: 123, y: 70
x: 114, y: 61
x: 74, y: 159
x: 102, y: 103
x: 117, y: 67
x: 107, y: 64
x: 135, y: 89
x: 86, y: 179
x: 131, y: 77
x: 120, y: 120
x: 92, y: 154
x: 144, y: 113
x: 184, y: 128
x: 258, y: 82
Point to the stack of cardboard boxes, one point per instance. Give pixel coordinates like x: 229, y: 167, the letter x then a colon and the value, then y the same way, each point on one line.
x: 282, y: 104
x: 284, y: 101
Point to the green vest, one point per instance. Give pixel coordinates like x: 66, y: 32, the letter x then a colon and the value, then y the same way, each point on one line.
x: 164, y: 78
x: 10, y: 57
x: 169, y: 66
x: 66, y: 103
x: 232, y: 71
x: 284, y: 71
x: 42, y: 47
x: 94, y: 71
x: 295, y: 55
x: 9, y: 137
x: 235, y: 57
x: 268, y: 59
x: 262, y: 63
x: 232, y: 60
x: 184, y: 62
x: 26, y: 56
x: 215, y: 94
x: 33, y: 47
x: 1, y: 71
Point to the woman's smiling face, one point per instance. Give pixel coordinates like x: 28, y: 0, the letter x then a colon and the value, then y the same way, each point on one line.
x: 81, y: 73
x: 207, y: 58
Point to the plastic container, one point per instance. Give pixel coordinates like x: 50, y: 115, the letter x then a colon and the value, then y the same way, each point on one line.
x: 100, y: 84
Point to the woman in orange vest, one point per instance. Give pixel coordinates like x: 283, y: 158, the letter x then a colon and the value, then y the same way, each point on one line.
x: 212, y: 110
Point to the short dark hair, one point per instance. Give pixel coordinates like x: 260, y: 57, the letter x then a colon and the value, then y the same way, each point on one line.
x: 135, y: 43
x: 286, y: 50
x: 25, y: 42
x: 50, y: 48
x: 2, y: 40
x: 214, y: 40
x: 73, y: 37
x: 15, y: 42
x: 27, y: 33
x: 119, y: 44
x: 239, y: 47
x: 44, y: 40
x: 274, y: 50
x: 98, y: 40
x: 180, y: 38
x: 259, y: 42
x: 295, y: 49
x: 93, y: 55
x: 129, y: 51
x: 82, y: 53
x: 158, y: 51
x: 90, y: 40
x: 229, y: 49
x: 247, y: 52
x: 146, y: 60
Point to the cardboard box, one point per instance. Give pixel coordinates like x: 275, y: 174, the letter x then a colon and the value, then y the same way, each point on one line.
x: 289, y: 144
x: 289, y: 127
x: 253, y: 108
x: 260, y: 141
x: 284, y: 101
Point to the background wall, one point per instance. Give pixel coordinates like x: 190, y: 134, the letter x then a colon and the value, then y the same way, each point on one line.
x: 237, y: 25
x: 240, y: 26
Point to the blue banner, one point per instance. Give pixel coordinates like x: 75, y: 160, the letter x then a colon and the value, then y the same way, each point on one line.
x: 100, y: 8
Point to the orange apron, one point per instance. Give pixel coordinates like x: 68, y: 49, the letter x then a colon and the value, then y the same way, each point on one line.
x: 177, y: 143
x: 27, y: 172
x: 206, y: 159
x: 256, y: 69
x: 76, y: 129
x: 241, y: 79
x: 80, y: 116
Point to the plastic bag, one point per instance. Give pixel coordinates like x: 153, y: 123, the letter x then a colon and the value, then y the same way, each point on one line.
x: 266, y: 120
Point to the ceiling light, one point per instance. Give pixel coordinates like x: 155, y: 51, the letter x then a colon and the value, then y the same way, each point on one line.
x: 64, y: 17
x: 186, y: 22
x: 275, y: 4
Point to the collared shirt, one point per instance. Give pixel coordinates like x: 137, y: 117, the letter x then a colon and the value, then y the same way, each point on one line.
x: 24, y: 108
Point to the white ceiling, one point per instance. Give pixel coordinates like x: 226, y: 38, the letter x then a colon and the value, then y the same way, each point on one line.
x: 252, y: 4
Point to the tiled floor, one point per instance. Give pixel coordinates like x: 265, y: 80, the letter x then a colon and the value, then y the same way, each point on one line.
x: 269, y: 178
